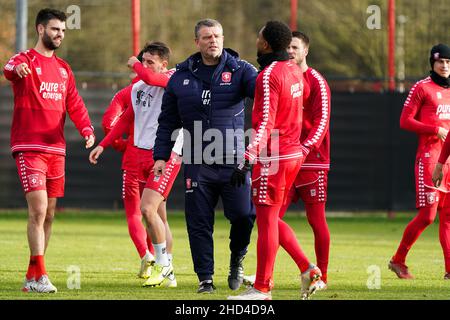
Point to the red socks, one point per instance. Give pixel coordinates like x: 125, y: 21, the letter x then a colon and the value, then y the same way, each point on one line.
x: 272, y: 231
x: 136, y: 229
x: 36, y: 268
x: 31, y: 268
x: 413, y: 230
x: 267, y: 245
x: 316, y: 218
x: 444, y: 235
x: 289, y: 242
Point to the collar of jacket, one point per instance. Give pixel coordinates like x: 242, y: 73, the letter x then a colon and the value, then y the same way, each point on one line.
x: 266, y: 59
x: 440, y: 81
x: 228, y: 58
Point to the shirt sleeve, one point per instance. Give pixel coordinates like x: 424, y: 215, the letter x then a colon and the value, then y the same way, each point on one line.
x: 9, y: 70
x: 264, y: 113
x: 249, y: 80
x: 76, y: 108
x: 149, y: 77
x: 411, y: 108
x: 319, y: 102
x: 116, y: 108
x: 120, y: 128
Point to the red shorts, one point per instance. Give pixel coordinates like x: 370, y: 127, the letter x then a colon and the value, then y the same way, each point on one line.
x: 310, y: 186
x: 271, y: 184
x: 146, y: 177
x: 41, y: 171
x: 426, y: 193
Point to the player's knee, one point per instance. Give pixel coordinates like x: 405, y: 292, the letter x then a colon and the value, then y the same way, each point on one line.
x: 36, y: 217
x: 426, y: 221
x: 148, y: 211
x: 49, y: 217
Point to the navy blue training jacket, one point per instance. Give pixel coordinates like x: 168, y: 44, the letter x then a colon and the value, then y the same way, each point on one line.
x: 182, y: 107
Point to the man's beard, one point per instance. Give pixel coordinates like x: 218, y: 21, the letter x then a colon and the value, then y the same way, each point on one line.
x: 48, y: 43
x: 258, y: 53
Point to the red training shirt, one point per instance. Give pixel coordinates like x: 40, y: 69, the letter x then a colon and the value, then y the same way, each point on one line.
x: 41, y: 101
x: 278, y: 106
x: 427, y: 108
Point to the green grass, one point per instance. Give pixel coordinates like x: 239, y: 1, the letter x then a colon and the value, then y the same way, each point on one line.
x: 98, y: 243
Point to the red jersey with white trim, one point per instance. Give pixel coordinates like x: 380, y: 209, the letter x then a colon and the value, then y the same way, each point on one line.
x: 278, y: 106
x: 120, y: 102
x: 427, y: 108
x: 41, y: 101
x: 316, y: 121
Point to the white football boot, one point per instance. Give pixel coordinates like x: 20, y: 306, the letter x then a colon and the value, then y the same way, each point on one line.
x: 43, y: 285
x: 27, y: 284
x: 252, y: 294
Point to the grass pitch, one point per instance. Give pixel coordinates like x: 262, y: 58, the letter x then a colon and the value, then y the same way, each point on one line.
x: 98, y: 244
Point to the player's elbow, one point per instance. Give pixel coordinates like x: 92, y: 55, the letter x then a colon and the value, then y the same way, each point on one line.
x: 404, y: 123
x: 8, y: 75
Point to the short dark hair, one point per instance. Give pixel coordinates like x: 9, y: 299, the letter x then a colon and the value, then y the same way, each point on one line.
x: 159, y: 48
x: 301, y: 36
x: 277, y: 34
x: 206, y: 23
x: 47, y: 14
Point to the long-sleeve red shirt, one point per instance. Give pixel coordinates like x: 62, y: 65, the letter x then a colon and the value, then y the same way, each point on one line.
x: 118, y: 106
x: 427, y: 108
x: 277, y: 106
x: 316, y: 120
x: 41, y: 101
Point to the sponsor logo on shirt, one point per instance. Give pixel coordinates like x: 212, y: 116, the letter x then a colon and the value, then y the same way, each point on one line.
x: 443, y: 111
x: 185, y: 82
x: 144, y: 99
x: 52, y: 90
x: 206, y: 98
x: 297, y: 90
x: 9, y: 67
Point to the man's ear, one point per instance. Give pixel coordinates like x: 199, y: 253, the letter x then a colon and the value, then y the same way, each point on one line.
x: 306, y: 51
x: 40, y: 29
x: 165, y: 63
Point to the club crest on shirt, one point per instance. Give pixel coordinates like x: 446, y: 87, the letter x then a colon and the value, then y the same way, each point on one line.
x: 185, y: 82
x: 39, y: 71
x: 313, y: 192
x: 431, y: 197
x: 34, y: 181
x: 63, y: 73
x: 226, y: 76
x: 439, y: 95
x: 188, y: 183
x: 156, y: 178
